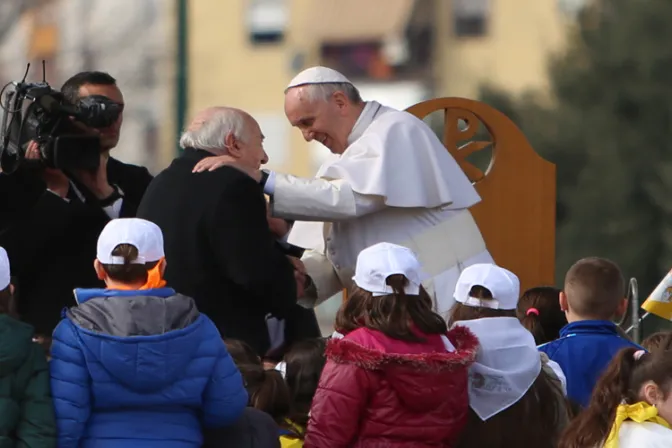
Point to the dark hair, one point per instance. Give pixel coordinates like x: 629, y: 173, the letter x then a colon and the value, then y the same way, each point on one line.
x: 461, y: 312
x: 305, y: 361
x: 621, y: 381
x: 594, y: 287
x: 70, y: 88
x: 7, y: 303
x: 533, y: 421
x: 267, y: 391
x: 241, y: 352
x: 660, y: 341
x: 128, y: 272
x: 546, y: 318
x: 395, y: 315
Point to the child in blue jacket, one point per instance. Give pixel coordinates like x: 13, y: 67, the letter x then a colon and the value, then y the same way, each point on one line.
x: 136, y: 364
x: 594, y: 293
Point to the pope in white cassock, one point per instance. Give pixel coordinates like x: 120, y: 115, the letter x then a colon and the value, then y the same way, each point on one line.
x: 391, y: 180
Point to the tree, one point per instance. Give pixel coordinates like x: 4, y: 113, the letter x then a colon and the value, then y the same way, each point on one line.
x: 609, y: 131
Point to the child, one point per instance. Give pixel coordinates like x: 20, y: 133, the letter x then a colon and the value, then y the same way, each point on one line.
x: 594, y: 293
x: 301, y: 368
x: 136, y: 364
x: 241, y: 352
x: 26, y: 411
x: 515, y: 397
x: 631, y: 406
x: 539, y: 311
x: 268, y: 402
x: 397, y: 377
x: 660, y: 341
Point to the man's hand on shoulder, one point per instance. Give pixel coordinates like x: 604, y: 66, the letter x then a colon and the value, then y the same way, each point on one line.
x: 214, y: 162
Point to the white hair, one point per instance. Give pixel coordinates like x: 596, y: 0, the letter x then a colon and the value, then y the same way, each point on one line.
x: 323, y: 92
x: 211, y: 135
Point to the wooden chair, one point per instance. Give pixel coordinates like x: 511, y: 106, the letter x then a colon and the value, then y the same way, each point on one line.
x: 517, y: 212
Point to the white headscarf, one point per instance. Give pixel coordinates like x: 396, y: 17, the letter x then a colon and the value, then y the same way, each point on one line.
x: 507, y: 364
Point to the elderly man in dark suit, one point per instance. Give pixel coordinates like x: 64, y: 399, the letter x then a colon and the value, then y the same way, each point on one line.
x: 219, y: 247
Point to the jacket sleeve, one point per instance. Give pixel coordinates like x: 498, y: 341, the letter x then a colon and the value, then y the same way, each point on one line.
x: 339, y: 402
x: 26, y: 206
x: 70, y: 386
x: 37, y: 424
x: 225, y: 397
x: 247, y: 252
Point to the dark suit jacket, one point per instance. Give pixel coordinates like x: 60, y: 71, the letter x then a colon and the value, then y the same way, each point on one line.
x: 51, y: 243
x: 219, y: 249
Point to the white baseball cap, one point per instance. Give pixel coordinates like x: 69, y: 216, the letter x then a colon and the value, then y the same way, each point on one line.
x: 503, y: 284
x: 144, y: 235
x: 376, y: 263
x: 5, y: 272
x: 318, y: 75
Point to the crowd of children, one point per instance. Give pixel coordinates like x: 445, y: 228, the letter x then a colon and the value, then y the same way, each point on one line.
x: 136, y: 364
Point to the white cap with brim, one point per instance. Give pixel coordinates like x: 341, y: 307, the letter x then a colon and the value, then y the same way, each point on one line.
x: 318, y: 75
x: 376, y: 263
x: 5, y: 272
x: 144, y: 235
x: 503, y: 284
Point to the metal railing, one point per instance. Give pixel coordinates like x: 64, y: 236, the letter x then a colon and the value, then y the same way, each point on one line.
x: 635, y: 319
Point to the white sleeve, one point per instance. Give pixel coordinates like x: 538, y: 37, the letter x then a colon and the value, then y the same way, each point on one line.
x: 301, y: 199
x: 269, y: 186
x: 324, y: 281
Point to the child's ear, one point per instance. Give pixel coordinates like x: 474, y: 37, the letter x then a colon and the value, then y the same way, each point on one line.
x: 622, y: 308
x: 563, y: 302
x: 100, y: 272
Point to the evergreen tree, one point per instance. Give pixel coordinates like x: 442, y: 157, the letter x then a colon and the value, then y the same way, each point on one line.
x: 609, y: 131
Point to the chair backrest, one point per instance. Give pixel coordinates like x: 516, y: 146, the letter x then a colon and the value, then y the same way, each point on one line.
x: 517, y: 212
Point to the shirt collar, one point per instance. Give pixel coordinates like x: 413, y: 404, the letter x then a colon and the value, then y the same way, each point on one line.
x: 589, y: 326
x: 82, y: 295
x: 365, y: 119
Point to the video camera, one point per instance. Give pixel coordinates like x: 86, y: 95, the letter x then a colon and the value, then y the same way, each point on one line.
x: 64, y: 132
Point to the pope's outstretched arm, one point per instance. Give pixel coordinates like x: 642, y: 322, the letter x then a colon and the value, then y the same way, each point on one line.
x: 301, y: 199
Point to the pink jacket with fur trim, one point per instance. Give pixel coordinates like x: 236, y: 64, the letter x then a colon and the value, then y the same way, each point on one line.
x: 381, y: 392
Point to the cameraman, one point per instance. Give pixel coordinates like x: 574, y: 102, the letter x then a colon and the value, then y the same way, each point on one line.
x: 50, y: 220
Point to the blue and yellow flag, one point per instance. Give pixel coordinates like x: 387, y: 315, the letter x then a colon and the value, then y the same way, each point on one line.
x: 660, y: 300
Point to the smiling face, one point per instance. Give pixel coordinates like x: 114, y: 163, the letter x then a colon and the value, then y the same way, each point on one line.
x: 327, y: 121
x: 249, y: 150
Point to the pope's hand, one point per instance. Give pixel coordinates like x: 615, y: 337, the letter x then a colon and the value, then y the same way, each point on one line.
x: 214, y: 162
x: 298, y: 264
x: 300, y: 284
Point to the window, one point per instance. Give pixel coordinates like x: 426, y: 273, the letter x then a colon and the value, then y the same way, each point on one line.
x: 470, y: 17
x: 267, y: 20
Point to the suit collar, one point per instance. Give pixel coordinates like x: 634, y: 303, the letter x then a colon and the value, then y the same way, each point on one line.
x: 195, y: 154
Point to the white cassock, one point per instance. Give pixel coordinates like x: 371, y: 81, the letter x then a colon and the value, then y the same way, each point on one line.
x: 394, y: 183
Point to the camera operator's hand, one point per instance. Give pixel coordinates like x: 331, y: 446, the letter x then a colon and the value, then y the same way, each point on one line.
x: 57, y: 182
x: 96, y: 180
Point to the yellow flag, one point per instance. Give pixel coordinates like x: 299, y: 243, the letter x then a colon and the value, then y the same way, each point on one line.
x: 660, y: 300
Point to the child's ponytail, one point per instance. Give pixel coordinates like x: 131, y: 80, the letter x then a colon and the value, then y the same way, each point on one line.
x: 621, y: 382
x: 267, y: 391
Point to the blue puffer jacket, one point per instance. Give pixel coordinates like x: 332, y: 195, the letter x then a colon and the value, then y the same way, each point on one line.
x: 140, y: 369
